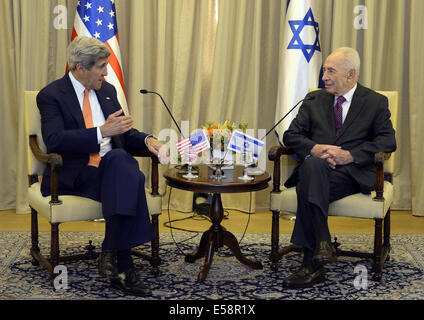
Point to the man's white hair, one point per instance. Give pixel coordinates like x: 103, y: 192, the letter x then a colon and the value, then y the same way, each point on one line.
x: 352, y: 60
x: 87, y: 51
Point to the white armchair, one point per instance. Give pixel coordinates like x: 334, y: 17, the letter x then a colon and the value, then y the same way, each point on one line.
x: 58, y: 209
x: 375, y: 206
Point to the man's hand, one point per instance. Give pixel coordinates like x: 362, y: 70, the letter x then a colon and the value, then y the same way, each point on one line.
x: 340, y: 156
x: 334, y: 155
x: 116, y: 124
x: 321, y: 150
x: 159, y: 149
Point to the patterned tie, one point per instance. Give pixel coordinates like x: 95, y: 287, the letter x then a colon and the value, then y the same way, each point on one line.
x: 88, y: 119
x: 338, y: 114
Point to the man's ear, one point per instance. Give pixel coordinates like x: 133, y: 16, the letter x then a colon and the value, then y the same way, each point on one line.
x: 351, y: 74
x: 80, y: 68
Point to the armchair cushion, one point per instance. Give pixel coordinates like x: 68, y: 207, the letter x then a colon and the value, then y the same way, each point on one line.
x: 356, y: 206
x: 72, y: 208
x: 58, y: 213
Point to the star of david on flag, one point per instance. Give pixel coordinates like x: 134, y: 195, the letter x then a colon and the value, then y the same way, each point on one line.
x: 243, y: 143
x: 196, y: 143
x: 97, y: 19
x: 296, y: 42
x: 300, y: 60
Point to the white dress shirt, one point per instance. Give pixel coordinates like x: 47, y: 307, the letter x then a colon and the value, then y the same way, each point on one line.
x: 96, y: 110
x: 98, y: 116
x: 346, y: 105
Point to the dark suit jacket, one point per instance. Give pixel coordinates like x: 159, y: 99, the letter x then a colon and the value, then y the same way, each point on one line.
x: 366, y: 130
x: 64, y: 130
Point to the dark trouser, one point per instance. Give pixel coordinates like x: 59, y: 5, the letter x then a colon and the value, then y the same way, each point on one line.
x: 118, y: 184
x: 318, y: 186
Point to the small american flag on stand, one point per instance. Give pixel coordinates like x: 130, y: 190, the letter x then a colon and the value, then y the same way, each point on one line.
x: 188, y: 156
x: 197, y: 142
x: 97, y: 19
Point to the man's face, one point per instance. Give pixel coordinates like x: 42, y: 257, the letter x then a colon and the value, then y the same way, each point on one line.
x: 337, y: 80
x: 93, y: 78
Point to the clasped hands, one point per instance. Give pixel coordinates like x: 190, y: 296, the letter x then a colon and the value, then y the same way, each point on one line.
x: 334, y: 155
x: 117, y: 124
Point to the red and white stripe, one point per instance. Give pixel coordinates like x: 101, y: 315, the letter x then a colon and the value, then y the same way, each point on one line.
x: 183, y: 145
x: 115, y: 75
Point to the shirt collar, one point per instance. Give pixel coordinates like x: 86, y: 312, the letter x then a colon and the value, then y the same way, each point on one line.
x: 78, y: 86
x: 348, y: 95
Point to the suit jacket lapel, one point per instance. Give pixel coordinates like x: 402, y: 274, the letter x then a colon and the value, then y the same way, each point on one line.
x: 108, y: 107
x: 105, y: 102
x: 354, y: 110
x: 71, y: 100
x: 329, y: 104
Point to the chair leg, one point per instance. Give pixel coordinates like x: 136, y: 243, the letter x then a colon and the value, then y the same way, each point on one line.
x: 35, y: 250
x: 50, y: 264
x: 381, y: 250
x: 54, y: 245
x: 155, y: 260
x: 37, y: 257
x: 274, y: 257
x: 378, y: 268
x: 386, y: 243
x: 276, y: 253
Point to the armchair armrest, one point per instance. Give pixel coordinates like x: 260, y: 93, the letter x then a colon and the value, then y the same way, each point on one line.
x: 55, y: 161
x: 276, y: 152
x: 154, y: 178
x: 379, y: 158
x: 274, y: 155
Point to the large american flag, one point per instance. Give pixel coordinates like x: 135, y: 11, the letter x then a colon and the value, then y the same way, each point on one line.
x: 97, y: 19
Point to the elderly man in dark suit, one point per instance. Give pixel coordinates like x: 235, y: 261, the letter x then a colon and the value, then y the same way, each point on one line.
x: 335, y: 134
x: 82, y: 120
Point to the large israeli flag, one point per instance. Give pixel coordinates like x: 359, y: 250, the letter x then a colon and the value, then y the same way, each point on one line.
x: 300, y: 59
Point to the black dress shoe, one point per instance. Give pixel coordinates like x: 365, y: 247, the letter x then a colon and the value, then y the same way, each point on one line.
x: 107, y: 264
x: 130, y: 283
x: 324, y: 253
x: 305, y: 277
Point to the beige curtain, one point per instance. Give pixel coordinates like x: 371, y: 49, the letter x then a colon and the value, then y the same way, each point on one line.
x: 32, y: 53
x: 211, y: 60
x: 205, y: 58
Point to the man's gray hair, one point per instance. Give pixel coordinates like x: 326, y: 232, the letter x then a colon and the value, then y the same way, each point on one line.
x: 87, y: 51
x: 352, y: 59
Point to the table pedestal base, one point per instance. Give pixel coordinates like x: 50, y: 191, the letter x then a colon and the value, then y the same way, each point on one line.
x: 216, y: 237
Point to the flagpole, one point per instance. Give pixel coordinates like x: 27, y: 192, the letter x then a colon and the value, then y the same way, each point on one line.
x: 189, y: 174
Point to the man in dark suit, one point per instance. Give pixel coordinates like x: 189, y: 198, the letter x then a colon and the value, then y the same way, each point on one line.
x: 335, y: 135
x: 82, y: 120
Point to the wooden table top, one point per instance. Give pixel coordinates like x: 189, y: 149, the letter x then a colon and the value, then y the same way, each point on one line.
x: 206, y: 183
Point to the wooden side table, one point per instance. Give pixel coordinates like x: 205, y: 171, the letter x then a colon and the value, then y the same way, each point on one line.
x: 216, y: 236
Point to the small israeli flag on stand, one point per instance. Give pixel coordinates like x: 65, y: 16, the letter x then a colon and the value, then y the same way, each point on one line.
x: 245, y: 144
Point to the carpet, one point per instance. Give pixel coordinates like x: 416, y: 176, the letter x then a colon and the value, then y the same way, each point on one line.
x: 228, y: 279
